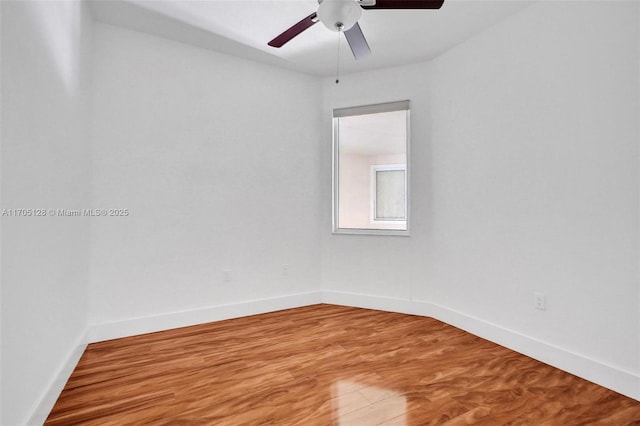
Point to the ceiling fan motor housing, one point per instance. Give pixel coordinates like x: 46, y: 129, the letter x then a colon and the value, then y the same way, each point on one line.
x: 339, y: 15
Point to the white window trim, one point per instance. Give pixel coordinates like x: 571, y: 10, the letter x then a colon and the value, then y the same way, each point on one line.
x: 374, y: 193
x: 369, y: 109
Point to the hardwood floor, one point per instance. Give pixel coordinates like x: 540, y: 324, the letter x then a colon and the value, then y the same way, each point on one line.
x: 324, y: 365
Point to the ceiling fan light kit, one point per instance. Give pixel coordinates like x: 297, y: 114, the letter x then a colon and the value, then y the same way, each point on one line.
x: 343, y: 16
x: 339, y: 15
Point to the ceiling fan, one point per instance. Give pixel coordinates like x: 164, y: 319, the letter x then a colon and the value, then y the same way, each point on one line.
x: 343, y: 15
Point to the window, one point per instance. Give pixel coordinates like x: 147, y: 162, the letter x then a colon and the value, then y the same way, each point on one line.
x: 389, y: 194
x: 370, y: 169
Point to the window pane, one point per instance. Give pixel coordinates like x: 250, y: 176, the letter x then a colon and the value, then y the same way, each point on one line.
x: 390, y: 203
x: 370, y: 168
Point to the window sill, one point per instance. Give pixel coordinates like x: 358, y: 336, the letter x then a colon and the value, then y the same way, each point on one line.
x: 387, y: 232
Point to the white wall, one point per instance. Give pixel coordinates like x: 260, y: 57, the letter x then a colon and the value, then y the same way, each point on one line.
x: 45, y: 164
x: 355, y: 191
x: 524, y: 177
x: 216, y: 159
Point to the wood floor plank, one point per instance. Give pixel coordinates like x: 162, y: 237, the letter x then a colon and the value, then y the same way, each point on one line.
x: 324, y: 365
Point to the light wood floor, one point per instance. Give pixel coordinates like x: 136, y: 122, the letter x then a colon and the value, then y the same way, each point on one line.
x: 324, y: 365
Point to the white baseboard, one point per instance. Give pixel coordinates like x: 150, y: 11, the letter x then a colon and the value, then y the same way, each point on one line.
x: 611, y: 377
x: 135, y: 326
x: 52, y: 391
x: 605, y: 375
x: 150, y: 324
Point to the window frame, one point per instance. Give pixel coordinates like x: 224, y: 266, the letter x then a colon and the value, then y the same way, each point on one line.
x: 404, y: 105
x: 373, y: 191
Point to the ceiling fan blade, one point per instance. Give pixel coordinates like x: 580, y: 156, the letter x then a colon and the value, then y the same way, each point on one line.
x: 357, y: 42
x: 296, y: 29
x: 405, y: 4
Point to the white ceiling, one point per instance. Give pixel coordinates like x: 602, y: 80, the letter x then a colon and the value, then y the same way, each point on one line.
x: 243, y: 28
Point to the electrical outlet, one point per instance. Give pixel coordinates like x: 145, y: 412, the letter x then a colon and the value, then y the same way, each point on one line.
x: 226, y: 275
x: 540, y: 301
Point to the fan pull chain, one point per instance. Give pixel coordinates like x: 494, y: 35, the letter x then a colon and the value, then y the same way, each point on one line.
x: 338, y: 60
